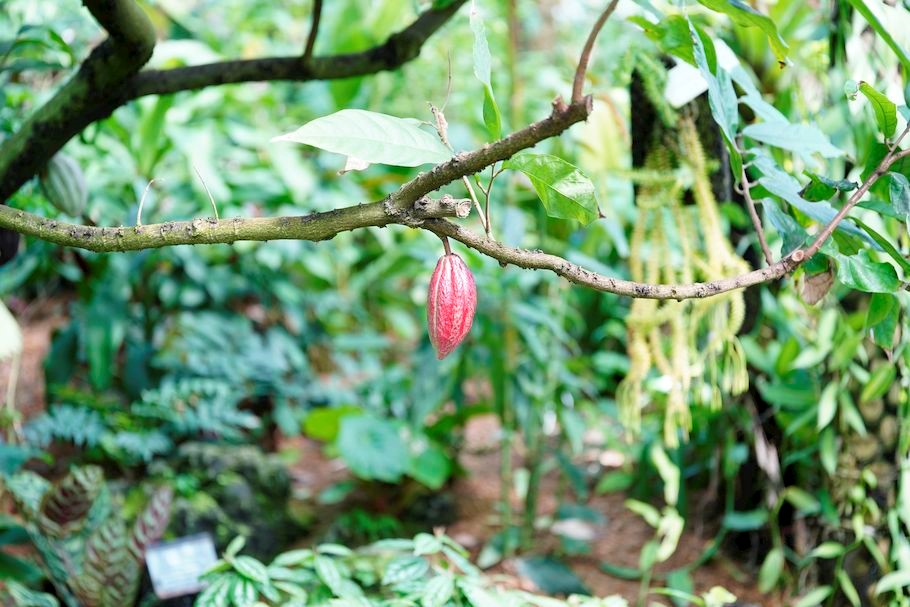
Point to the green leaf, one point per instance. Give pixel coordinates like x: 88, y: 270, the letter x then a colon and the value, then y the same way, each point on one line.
x: 611, y: 482
x: 482, y: 62
x: 432, y: 467
x: 864, y: 274
x: 373, y: 448
x: 551, y: 575
x: 744, y: 15
x: 373, y: 137
x: 802, y: 500
x: 885, y: 244
x: 803, y: 139
x: 771, y: 569
x: 746, y: 521
x: 823, y: 188
x: 438, y: 591
x: 884, y: 108
x: 828, y: 550
x: 786, y: 187
x: 405, y: 569
x: 620, y: 571
x: 252, y: 569
x: 847, y: 587
x: 827, y: 405
x: 673, y: 37
x: 899, y: 192
x: 893, y: 581
x: 879, y: 382
x: 565, y: 192
x: 814, y: 597
x: 645, y: 511
x: 234, y: 547
x: 323, y: 423
x: 243, y: 593
x: 679, y: 580
x: 792, y: 234
x: 721, y: 96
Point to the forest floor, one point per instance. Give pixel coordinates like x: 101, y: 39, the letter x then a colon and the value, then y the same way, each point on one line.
x: 618, y: 539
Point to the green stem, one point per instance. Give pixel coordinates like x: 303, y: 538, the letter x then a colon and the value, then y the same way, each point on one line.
x: 863, y: 9
x: 535, y: 467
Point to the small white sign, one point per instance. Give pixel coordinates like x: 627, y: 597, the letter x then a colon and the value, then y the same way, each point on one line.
x: 175, y: 566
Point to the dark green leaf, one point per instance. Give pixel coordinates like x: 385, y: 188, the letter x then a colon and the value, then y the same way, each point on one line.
x: 823, y: 188
x: 744, y: 15
x: 746, y: 521
x: 551, y: 575
x: 565, y: 192
x: 884, y: 108
x: 864, y: 274
x: 373, y: 448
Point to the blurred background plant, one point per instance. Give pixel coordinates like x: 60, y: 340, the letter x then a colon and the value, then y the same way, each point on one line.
x: 762, y: 426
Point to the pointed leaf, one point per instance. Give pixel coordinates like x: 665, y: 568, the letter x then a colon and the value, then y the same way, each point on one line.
x: 804, y: 139
x: 372, y: 137
x: 565, y: 192
x: 884, y: 108
x: 744, y: 15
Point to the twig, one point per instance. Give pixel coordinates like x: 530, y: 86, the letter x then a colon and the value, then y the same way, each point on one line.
x: 211, y: 198
x: 142, y: 202
x: 314, y: 31
x: 756, y: 220
x: 585, y: 57
x: 442, y: 128
x: 882, y: 168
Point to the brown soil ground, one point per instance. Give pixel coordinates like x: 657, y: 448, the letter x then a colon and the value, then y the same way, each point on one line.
x: 476, y: 494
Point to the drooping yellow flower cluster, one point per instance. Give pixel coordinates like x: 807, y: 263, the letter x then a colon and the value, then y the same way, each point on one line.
x: 681, y: 352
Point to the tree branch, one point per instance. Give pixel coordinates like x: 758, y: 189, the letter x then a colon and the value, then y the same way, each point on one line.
x: 314, y: 30
x: 108, y: 79
x: 317, y: 226
x: 753, y: 214
x: 579, y: 82
x: 79, y: 101
x: 409, y: 206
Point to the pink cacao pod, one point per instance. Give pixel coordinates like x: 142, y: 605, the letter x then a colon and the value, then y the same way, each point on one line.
x: 451, y: 302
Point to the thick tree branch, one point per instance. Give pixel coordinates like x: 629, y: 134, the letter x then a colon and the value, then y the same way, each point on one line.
x: 317, y: 226
x: 109, y: 79
x: 78, y: 102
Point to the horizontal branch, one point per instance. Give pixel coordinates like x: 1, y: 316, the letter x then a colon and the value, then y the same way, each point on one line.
x: 538, y: 260
x: 313, y: 227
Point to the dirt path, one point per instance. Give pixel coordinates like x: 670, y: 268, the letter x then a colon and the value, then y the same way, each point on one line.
x: 618, y: 541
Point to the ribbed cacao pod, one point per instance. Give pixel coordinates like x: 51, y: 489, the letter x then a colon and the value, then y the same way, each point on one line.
x: 64, y: 184
x: 451, y: 302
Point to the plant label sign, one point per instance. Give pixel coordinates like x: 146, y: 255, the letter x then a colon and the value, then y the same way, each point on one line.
x: 175, y: 566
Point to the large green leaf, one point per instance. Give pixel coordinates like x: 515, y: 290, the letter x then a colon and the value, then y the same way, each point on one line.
x: 373, y: 448
x: 482, y: 70
x: 804, y: 139
x: 824, y: 188
x: 786, y: 187
x: 884, y: 108
x: 721, y: 95
x: 564, y: 190
x: 865, y: 274
x: 372, y: 137
x: 744, y: 15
